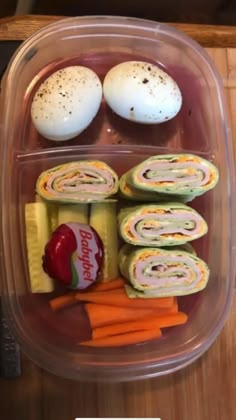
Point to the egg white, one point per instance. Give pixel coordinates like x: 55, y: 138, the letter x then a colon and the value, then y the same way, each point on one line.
x: 66, y: 103
x: 142, y: 92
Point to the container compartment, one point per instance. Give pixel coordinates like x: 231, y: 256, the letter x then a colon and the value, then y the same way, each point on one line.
x: 47, y: 335
x: 100, y: 48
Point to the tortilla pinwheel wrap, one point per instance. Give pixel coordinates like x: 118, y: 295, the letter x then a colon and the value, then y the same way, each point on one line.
x: 158, y: 272
x: 130, y: 192
x: 185, y: 175
x: 167, y: 224
x: 84, y: 181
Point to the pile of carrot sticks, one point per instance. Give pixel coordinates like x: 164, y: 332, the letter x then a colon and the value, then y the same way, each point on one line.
x: 117, y: 320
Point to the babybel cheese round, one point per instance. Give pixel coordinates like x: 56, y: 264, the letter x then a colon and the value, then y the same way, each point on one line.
x: 73, y: 255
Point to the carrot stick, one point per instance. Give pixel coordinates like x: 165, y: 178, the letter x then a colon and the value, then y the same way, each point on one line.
x: 100, y: 315
x: 124, y: 339
x: 61, y: 302
x: 151, y: 322
x: 110, y: 285
x: 119, y: 298
x: 69, y: 299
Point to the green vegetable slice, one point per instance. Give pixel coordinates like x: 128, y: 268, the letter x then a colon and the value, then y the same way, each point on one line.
x: 104, y: 220
x: 77, y: 213
x: 37, y: 235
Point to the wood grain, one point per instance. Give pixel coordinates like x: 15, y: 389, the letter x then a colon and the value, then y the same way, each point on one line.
x: 207, y: 35
x: 205, y: 390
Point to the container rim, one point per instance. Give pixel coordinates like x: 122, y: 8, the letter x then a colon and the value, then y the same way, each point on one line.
x: 151, y: 29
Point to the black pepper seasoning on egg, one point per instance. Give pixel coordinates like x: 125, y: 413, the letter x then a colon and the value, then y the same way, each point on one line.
x: 66, y: 103
x: 155, y: 95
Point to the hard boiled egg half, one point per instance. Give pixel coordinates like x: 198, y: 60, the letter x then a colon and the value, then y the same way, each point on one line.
x: 142, y: 92
x: 66, y: 103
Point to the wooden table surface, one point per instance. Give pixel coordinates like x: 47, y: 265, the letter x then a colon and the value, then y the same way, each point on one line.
x: 206, y: 390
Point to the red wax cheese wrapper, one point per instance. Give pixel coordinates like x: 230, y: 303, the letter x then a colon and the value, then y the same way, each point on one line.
x: 73, y: 255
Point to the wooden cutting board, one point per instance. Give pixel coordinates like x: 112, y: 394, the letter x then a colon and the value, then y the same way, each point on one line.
x: 206, y: 390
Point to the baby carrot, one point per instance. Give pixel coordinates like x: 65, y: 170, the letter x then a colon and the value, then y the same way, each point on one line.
x: 61, y: 302
x: 69, y: 298
x: 100, y: 315
x: 151, y: 322
x: 110, y: 285
x: 124, y: 339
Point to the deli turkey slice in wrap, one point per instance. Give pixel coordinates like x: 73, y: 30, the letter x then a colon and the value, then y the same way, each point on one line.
x: 133, y: 193
x: 158, y: 272
x: 167, y: 224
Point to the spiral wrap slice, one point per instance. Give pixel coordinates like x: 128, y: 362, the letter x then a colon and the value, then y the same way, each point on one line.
x: 75, y: 182
x: 157, y: 272
x: 167, y: 224
x: 182, y: 175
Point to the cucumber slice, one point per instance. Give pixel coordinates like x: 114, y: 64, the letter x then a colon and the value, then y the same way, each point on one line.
x: 104, y: 220
x: 73, y: 213
x: 37, y: 235
x: 53, y: 216
x: 52, y: 212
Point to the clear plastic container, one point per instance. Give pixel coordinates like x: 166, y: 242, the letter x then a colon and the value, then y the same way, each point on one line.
x: 202, y: 127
